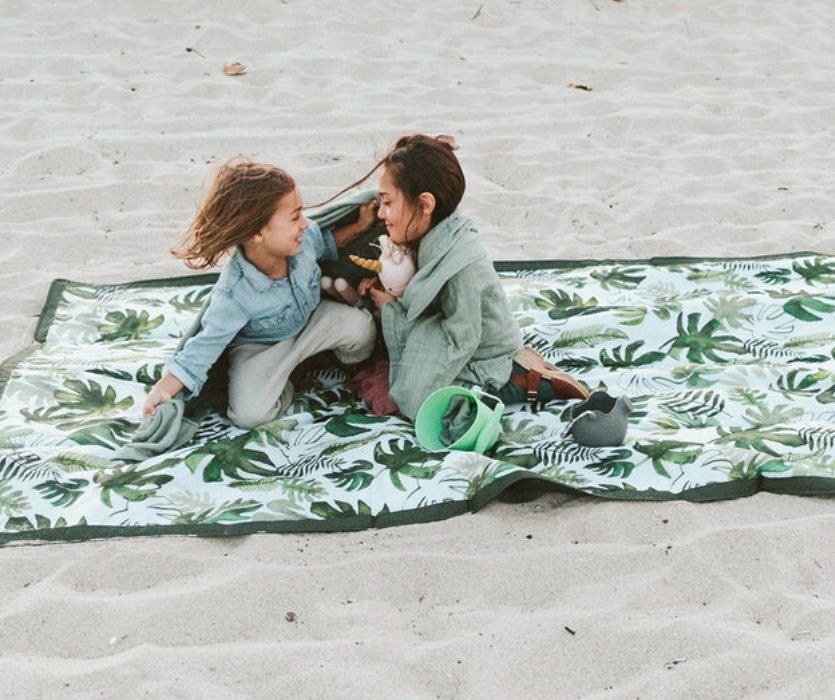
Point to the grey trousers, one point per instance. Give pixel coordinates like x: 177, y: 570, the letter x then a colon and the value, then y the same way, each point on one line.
x: 259, y: 390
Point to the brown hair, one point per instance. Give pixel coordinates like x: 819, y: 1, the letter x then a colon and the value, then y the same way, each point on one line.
x: 419, y: 163
x: 243, y: 197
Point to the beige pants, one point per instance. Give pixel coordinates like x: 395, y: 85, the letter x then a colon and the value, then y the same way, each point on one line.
x: 259, y: 390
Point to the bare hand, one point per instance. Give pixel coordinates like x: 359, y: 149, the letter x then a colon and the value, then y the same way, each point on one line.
x: 154, y: 399
x: 343, y: 235
x: 367, y: 215
x: 368, y: 283
x: 164, y: 390
x: 381, y: 297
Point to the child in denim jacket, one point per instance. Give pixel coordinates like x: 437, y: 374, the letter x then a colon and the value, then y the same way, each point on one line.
x: 266, y: 304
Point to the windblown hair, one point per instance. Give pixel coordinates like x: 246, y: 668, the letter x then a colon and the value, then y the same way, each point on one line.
x: 242, y: 199
x: 419, y: 163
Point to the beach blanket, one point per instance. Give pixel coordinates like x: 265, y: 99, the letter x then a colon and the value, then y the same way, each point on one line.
x: 729, y: 366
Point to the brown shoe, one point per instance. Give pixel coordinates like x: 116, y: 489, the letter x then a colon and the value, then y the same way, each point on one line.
x: 564, y: 385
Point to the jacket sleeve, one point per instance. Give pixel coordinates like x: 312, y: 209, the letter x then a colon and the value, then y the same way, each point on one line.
x: 434, y: 351
x: 221, y: 321
x: 393, y: 321
x: 323, y: 241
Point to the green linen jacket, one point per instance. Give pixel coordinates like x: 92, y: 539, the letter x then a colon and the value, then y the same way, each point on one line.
x: 453, y: 324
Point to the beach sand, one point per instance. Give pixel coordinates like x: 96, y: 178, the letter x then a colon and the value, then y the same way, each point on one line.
x: 707, y: 132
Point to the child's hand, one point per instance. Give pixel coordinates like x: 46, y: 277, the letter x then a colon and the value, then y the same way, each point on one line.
x: 373, y: 287
x: 368, y: 283
x: 154, y: 399
x: 381, y: 297
x: 164, y: 390
x: 367, y: 216
x: 343, y: 235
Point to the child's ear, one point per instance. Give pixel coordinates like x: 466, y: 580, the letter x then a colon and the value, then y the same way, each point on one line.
x: 426, y: 203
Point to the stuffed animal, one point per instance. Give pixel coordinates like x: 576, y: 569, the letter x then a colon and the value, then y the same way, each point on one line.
x: 341, y: 277
x: 395, y: 266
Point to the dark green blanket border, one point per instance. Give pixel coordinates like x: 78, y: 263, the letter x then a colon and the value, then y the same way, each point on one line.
x: 797, y: 486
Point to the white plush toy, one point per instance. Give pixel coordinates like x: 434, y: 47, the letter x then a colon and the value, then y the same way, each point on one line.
x: 395, y: 267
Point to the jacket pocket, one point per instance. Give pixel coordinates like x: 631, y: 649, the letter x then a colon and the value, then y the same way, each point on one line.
x: 268, y: 323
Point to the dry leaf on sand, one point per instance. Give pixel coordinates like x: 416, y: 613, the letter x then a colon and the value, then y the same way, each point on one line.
x: 234, y: 68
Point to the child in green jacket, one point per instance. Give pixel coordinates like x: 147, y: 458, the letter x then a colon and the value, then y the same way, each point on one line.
x: 453, y: 324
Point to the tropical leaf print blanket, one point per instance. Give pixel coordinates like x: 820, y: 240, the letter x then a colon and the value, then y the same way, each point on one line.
x: 728, y: 364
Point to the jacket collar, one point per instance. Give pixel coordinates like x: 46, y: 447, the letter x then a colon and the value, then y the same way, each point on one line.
x: 257, y: 279
x: 440, y: 239
x: 444, y: 251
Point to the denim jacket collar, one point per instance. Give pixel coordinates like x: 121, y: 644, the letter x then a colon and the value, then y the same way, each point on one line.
x: 259, y: 281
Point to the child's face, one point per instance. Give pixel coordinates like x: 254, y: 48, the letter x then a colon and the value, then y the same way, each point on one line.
x: 282, y: 236
x: 402, y: 221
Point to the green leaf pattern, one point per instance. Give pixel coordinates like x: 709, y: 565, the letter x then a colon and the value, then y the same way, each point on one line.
x: 729, y: 365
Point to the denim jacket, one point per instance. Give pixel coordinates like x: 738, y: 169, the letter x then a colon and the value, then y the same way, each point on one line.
x: 246, y: 306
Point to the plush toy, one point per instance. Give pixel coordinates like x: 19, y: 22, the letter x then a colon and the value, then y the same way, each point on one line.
x: 395, y: 266
x: 341, y: 277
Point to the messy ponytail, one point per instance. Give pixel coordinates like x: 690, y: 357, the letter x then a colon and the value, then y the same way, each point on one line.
x: 418, y: 163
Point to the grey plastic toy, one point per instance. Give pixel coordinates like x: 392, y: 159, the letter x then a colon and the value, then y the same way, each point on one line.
x: 600, y: 420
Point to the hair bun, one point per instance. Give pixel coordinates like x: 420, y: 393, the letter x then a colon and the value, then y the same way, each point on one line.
x: 449, y: 140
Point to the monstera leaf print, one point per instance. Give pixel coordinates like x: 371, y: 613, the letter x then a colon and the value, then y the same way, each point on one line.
x: 727, y: 364
x: 128, y: 325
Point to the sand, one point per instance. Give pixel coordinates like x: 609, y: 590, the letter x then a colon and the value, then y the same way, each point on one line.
x: 707, y: 132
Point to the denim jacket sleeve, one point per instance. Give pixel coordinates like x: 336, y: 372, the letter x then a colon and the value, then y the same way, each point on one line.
x: 323, y: 241
x: 221, y: 322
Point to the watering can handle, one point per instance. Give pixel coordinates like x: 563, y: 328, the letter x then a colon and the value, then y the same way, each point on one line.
x: 486, y: 394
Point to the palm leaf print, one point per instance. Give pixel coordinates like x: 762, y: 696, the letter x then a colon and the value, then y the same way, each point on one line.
x: 727, y: 365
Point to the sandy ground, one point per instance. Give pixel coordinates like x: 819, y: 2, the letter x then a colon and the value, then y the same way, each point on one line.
x: 708, y: 131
